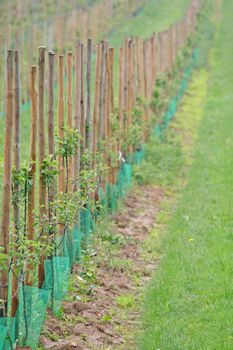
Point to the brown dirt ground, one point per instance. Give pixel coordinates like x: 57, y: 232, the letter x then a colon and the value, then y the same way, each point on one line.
x: 82, y: 326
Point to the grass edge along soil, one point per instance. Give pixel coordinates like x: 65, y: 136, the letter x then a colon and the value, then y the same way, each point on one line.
x: 189, y: 301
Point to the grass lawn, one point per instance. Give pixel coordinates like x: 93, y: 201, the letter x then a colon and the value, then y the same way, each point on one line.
x: 189, y: 302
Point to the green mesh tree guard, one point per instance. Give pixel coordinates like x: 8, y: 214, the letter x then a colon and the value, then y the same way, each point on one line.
x: 86, y: 222
x: 73, y: 245
x: 7, y: 333
x: 31, y: 314
x: 139, y: 155
x: 57, y: 272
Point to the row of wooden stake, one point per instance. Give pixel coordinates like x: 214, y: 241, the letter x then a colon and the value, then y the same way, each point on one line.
x: 140, y: 63
x: 57, y: 32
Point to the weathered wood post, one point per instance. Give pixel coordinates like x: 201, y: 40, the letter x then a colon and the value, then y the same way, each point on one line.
x: 16, y: 164
x: 41, y: 155
x: 7, y: 176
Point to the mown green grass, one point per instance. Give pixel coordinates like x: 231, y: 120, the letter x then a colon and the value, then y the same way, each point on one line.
x: 189, y: 303
x: 157, y: 15
x: 167, y: 158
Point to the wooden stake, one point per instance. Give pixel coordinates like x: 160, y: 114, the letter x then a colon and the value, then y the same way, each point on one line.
x: 16, y: 148
x: 129, y: 75
x: 121, y: 90
x: 102, y: 88
x: 145, y: 63
x: 7, y: 175
x: 111, y: 62
x: 70, y: 114
x: 51, y: 57
x: 134, y: 70
x: 77, y: 113
x: 96, y: 100
x: 106, y: 92
x: 111, y: 110
x: 125, y: 99
x: 16, y: 162
x: 41, y: 156
x: 61, y: 107
x: 82, y: 121
x: 88, y: 96
x: 156, y: 56
x: 153, y: 62
x: 32, y: 156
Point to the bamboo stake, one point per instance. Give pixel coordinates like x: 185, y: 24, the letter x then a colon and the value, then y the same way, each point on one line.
x: 88, y: 96
x: 69, y: 114
x: 7, y: 174
x: 16, y: 163
x: 41, y: 156
x: 32, y: 156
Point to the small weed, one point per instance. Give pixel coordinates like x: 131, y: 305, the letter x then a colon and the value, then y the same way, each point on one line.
x: 120, y: 264
x: 60, y: 313
x: 125, y: 301
x: 106, y: 318
x: 52, y: 336
x: 163, y: 217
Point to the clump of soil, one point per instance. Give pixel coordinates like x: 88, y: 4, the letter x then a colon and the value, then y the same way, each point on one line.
x: 106, y: 316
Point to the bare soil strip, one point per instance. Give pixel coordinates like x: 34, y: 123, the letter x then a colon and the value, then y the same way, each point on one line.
x: 101, y: 321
